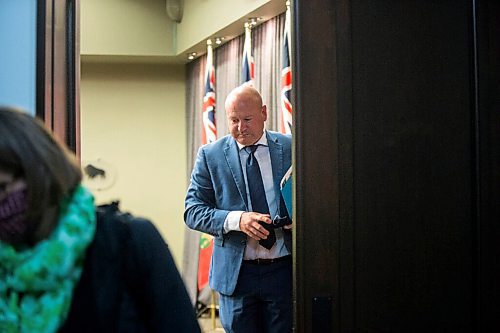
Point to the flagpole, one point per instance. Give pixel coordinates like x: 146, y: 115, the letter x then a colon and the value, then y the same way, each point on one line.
x: 209, y: 134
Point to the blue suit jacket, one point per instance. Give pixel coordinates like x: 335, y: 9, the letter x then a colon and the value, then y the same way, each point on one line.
x: 218, y: 187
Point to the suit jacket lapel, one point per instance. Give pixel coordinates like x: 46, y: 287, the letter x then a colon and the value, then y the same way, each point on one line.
x: 276, y: 152
x: 233, y: 160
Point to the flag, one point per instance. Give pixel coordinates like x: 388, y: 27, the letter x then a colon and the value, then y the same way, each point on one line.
x: 208, y: 134
x: 248, y: 69
x: 286, y: 79
x: 209, y: 130
x: 206, y: 248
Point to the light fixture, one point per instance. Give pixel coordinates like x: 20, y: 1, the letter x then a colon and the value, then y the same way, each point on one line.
x: 218, y: 40
x: 191, y: 55
x: 252, y: 21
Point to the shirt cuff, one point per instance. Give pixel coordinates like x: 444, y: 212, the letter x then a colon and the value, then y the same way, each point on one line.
x: 232, y: 221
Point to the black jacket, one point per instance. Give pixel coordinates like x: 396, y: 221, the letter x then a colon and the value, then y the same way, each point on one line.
x: 129, y: 282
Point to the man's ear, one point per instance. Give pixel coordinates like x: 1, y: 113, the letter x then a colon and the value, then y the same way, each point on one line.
x: 264, y: 112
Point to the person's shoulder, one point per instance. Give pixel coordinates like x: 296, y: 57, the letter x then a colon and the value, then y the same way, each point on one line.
x: 279, y: 137
x: 225, y: 141
x: 111, y: 231
x: 143, y: 230
x: 116, y: 227
x: 111, y: 219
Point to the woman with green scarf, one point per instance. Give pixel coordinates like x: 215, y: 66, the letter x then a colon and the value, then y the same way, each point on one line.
x: 66, y: 266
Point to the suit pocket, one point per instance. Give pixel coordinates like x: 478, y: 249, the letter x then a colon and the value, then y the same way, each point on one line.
x: 233, y: 240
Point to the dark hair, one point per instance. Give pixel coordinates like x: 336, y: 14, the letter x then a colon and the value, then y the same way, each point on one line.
x: 30, y: 151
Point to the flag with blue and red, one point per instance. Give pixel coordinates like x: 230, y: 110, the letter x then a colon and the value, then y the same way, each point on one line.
x: 248, y: 69
x: 209, y: 130
x: 286, y: 79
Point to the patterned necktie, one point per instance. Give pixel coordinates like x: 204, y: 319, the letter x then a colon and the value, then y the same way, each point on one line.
x: 258, y: 194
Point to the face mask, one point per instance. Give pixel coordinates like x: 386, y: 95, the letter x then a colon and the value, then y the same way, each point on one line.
x: 13, y: 217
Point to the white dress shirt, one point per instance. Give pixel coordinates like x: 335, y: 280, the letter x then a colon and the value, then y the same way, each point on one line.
x: 253, y: 250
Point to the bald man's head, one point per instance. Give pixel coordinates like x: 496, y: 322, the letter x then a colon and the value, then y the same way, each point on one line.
x: 245, y: 114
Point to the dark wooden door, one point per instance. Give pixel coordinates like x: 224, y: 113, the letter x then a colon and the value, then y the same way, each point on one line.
x: 397, y: 165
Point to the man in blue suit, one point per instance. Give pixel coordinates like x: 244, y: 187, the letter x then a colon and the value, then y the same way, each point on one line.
x: 251, y: 265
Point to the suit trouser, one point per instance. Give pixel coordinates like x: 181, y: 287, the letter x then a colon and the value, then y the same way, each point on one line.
x: 262, y: 300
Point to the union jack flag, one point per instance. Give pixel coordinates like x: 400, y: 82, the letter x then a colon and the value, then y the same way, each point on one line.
x: 248, y: 71
x: 286, y: 79
x: 209, y: 130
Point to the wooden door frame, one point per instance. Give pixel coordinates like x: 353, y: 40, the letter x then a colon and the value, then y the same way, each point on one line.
x: 323, y: 167
x: 58, y: 69
x: 324, y: 263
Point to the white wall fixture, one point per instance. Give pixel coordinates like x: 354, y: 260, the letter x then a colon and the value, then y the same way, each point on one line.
x: 175, y: 10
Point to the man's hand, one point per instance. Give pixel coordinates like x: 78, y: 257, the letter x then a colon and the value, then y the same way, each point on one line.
x: 249, y: 224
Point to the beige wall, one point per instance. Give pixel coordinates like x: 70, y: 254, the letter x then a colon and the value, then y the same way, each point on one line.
x: 202, y: 18
x: 126, y: 27
x: 143, y: 28
x: 133, y: 118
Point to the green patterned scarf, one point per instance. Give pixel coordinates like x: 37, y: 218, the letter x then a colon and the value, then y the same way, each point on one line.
x: 36, y: 284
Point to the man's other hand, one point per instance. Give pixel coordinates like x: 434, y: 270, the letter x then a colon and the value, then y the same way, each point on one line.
x: 250, y: 225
